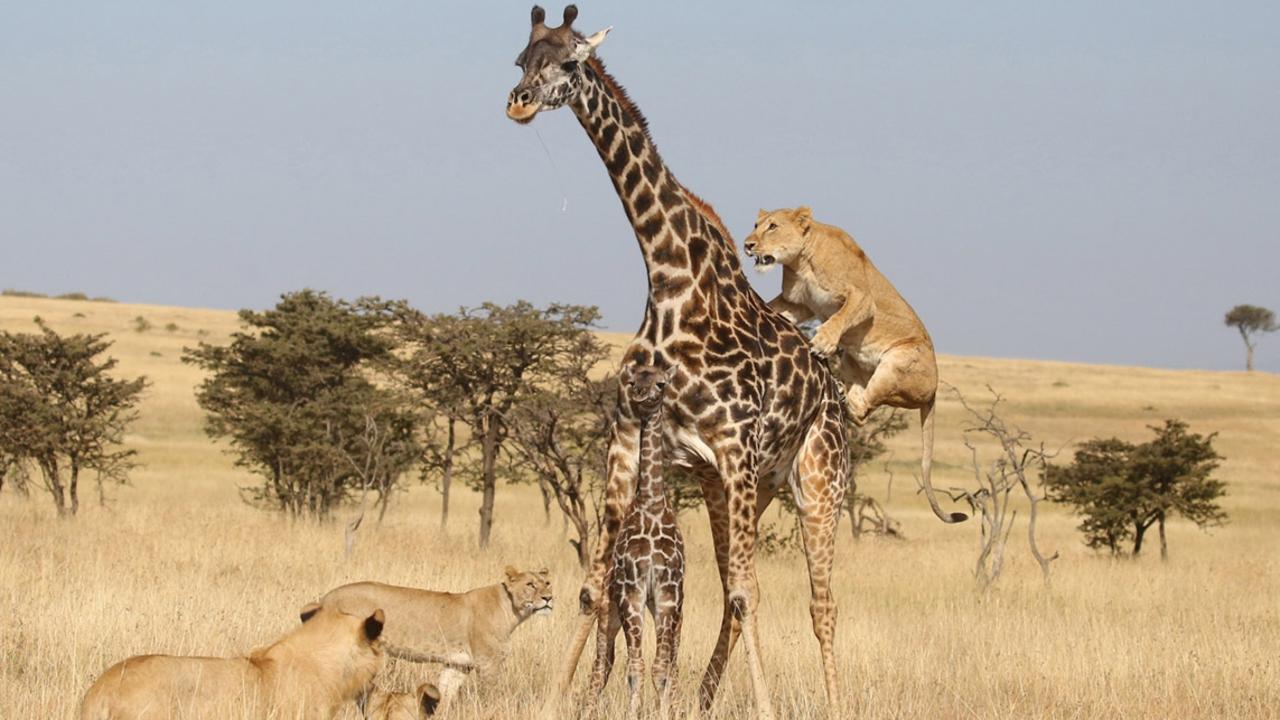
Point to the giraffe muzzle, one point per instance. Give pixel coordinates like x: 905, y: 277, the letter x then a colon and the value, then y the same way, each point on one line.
x: 521, y: 106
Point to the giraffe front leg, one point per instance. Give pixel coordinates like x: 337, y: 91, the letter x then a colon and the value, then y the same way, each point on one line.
x: 632, y: 612
x: 744, y: 589
x: 606, y: 634
x: 667, y: 622
x: 718, y: 512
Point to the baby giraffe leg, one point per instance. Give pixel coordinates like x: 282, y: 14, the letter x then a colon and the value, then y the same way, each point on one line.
x: 606, y: 636
x: 667, y: 625
x: 633, y: 630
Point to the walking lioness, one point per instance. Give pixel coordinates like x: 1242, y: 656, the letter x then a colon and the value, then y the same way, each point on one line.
x: 888, y: 355
x: 462, y: 631
x: 306, y: 675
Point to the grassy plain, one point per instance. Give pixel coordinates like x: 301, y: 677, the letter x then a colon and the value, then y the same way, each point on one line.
x: 177, y: 564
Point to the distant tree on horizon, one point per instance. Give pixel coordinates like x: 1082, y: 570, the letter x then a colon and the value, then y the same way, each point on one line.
x: 486, y: 361
x: 63, y: 412
x: 1122, y: 489
x: 298, y: 393
x: 1251, y: 321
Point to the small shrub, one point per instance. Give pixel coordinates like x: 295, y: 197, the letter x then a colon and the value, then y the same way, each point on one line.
x: 72, y: 296
x: 171, y: 327
x: 156, y: 353
x: 141, y: 324
x: 10, y: 292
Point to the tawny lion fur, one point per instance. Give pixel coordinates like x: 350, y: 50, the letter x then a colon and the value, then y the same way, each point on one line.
x: 888, y: 356
x: 306, y: 675
x: 382, y: 704
x: 462, y: 631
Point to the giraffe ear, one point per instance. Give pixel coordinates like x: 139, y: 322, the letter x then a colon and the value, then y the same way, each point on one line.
x: 584, y: 48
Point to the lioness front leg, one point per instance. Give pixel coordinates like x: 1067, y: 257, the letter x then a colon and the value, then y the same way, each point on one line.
x: 858, y: 308
x: 795, y: 312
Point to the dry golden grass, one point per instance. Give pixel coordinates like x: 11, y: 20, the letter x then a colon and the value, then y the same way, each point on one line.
x: 178, y: 565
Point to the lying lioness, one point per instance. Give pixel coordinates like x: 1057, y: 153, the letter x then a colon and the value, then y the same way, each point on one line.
x: 888, y: 355
x: 306, y: 675
x: 462, y: 631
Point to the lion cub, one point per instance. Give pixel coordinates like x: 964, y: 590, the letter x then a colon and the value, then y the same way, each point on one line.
x: 380, y: 704
x: 306, y: 675
x: 888, y: 355
x: 462, y: 631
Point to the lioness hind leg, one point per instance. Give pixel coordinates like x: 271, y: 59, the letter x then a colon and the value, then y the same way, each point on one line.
x: 447, y: 684
x: 906, y: 377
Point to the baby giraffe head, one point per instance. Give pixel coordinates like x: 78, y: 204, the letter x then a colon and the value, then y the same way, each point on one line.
x: 778, y: 237
x: 643, y: 386
x: 552, y: 64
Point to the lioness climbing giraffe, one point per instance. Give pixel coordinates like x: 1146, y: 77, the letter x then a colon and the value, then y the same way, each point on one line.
x: 647, y: 560
x: 749, y: 406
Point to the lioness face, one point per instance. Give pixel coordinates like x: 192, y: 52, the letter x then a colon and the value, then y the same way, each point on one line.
x: 530, y: 591
x: 778, y: 237
x: 552, y: 64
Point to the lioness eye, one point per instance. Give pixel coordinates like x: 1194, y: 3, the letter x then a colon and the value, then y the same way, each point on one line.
x: 772, y: 226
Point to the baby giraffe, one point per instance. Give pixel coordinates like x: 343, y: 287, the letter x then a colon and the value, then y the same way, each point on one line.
x: 648, y: 558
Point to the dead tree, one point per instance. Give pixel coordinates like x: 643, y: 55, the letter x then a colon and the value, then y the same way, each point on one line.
x: 378, y: 457
x: 994, y: 485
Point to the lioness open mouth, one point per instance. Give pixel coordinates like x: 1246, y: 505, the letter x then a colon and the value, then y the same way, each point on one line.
x: 764, y: 261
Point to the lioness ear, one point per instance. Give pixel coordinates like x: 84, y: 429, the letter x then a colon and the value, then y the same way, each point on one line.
x: 804, y: 217
x: 511, y: 573
x: 761, y: 214
x: 429, y: 697
x: 373, y: 625
x: 308, y: 611
x: 544, y: 573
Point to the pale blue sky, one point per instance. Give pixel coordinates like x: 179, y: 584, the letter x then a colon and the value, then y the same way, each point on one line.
x: 1095, y: 181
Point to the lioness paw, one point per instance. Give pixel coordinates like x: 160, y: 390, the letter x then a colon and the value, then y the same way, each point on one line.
x: 823, y: 344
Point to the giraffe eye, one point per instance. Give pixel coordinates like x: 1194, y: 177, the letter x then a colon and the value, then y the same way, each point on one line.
x: 569, y: 65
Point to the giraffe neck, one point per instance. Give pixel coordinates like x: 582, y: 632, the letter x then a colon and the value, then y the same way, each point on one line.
x: 650, y: 489
x: 680, y: 237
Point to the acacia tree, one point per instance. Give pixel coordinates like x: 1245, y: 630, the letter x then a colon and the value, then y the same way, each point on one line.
x: 561, y: 433
x: 491, y: 359
x: 442, y: 446
x: 295, y: 392
x: 1123, y: 489
x: 1251, y: 321
x: 63, y: 412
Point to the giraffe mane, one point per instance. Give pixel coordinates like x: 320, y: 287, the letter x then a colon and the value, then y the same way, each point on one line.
x: 620, y: 94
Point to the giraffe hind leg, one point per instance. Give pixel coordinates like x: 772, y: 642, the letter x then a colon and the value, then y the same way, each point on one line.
x: 819, y: 478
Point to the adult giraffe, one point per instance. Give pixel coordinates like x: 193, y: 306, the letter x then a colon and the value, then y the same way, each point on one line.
x: 748, y: 407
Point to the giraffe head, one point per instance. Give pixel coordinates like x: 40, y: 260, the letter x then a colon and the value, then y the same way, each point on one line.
x: 643, y: 386
x: 552, y: 65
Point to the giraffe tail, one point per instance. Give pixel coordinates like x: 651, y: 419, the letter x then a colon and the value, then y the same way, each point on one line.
x: 585, y: 624
x: 926, y: 464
